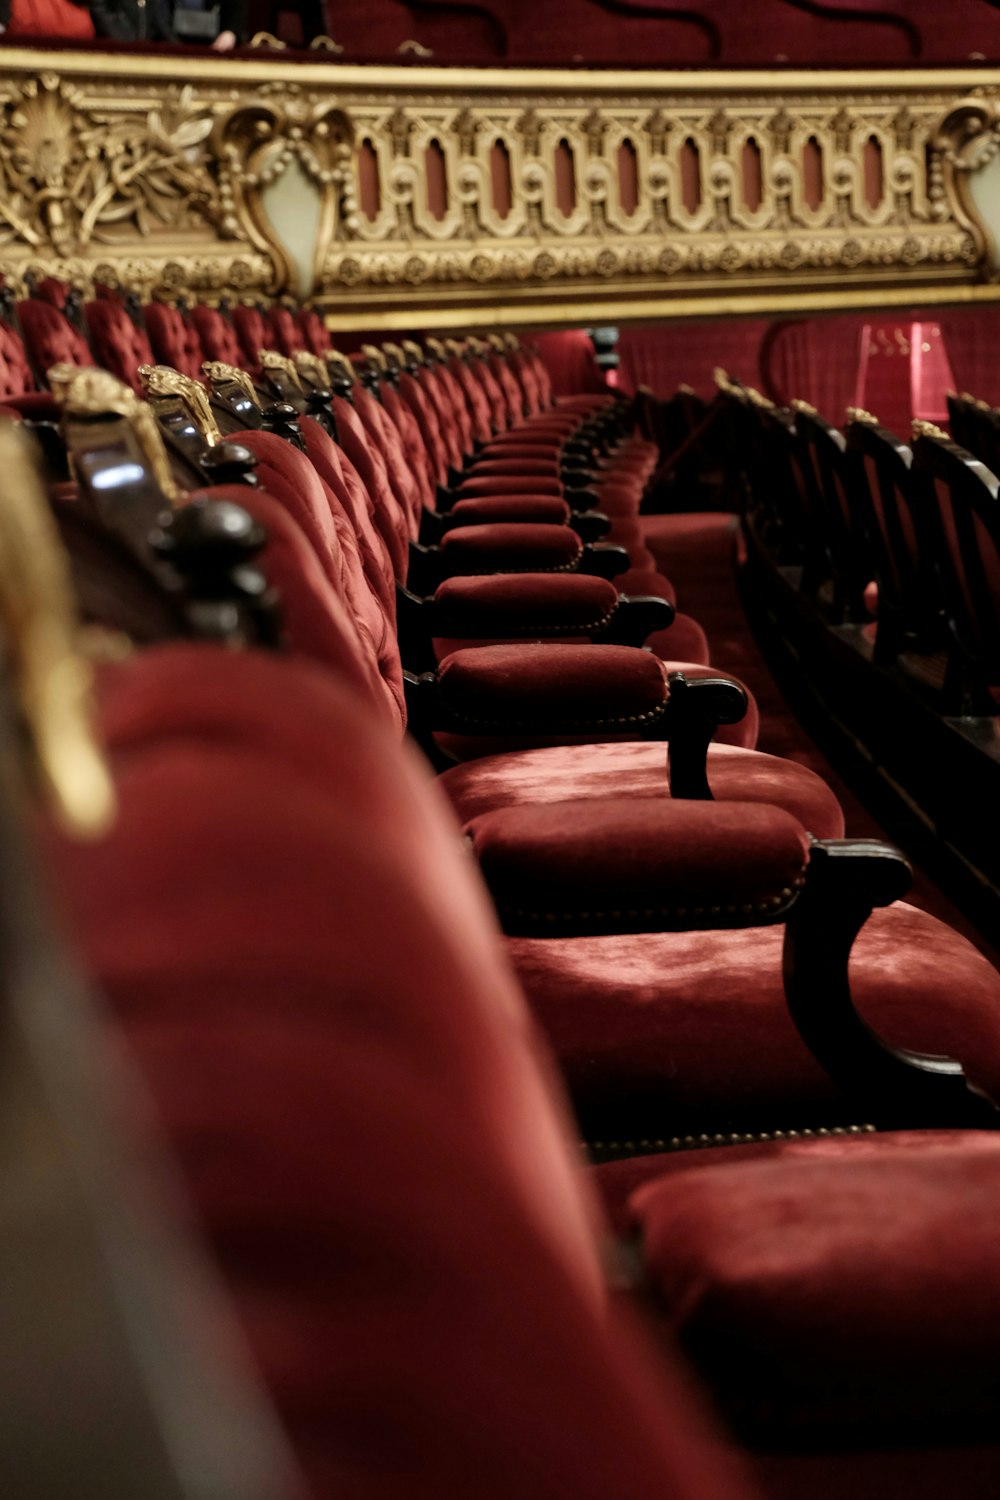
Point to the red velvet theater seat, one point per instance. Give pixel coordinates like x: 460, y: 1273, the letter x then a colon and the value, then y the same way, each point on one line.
x: 423, y: 1300
x: 15, y: 371
x: 118, y: 345
x: 175, y: 339
x: 218, y: 336
x: 315, y: 334
x: 368, y: 1131
x: 50, y: 338
x: 286, y: 331
x: 253, y: 331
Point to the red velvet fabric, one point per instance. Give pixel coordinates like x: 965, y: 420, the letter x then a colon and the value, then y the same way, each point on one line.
x: 315, y: 622
x: 479, y: 407
x: 705, y: 539
x: 516, y: 467
x: 521, y: 444
x: 507, y: 484
x: 684, y: 640
x: 38, y: 406
x: 287, y: 335
x: 50, y: 18
x: 422, y: 1300
x: 253, y: 331
x: 666, y: 356
x: 175, y: 339
x: 570, y: 360
x: 218, y: 336
x: 436, y: 395
x: 50, y: 338
x: 496, y: 547
x: 452, y: 402
x: 118, y: 345
x: 417, y: 455
x: 628, y: 865
x: 53, y: 290
x: 15, y: 371
x: 532, y: 604
x: 388, y: 516
x: 697, y: 1023
x: 342, y: 479
x: 576, y: 687
x: 494, y: 395
x: 385, y: 436
x: 315, y: 333
x: 546, y: 508
x: 838, y: 1293
x: 639, y: 771
x: 426, y: 417
x: 287, y: 473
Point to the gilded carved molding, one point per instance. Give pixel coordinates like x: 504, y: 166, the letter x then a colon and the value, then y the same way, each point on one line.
x: 548, y: 195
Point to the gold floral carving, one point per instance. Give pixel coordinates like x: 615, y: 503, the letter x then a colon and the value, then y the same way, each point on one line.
x: 550, y: 195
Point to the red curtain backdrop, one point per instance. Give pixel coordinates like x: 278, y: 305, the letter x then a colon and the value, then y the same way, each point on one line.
x: 815, y: 360
x: 970, y: 340
x: 665, y: 357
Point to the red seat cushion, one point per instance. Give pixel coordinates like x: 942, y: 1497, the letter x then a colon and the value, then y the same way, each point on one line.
x: 844, y: 1293
x: 694, y: 1025
x: 638, y: 770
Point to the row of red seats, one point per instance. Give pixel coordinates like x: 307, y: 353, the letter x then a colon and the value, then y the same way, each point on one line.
x: 391, y: 1190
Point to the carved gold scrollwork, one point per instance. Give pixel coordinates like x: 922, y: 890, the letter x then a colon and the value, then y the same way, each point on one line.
x: 217, y: 372
x: 72, y: 176
x: 161, y: 381
x: 387, y: 190
x: 255, y: 144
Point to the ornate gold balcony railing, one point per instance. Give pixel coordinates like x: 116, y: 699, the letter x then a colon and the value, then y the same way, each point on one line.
x: 436, y: 197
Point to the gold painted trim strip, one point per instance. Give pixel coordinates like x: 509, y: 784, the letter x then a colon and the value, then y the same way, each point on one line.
x: 462, y: 81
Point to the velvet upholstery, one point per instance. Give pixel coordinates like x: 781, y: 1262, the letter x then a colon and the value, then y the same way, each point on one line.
x: 630, y: 865
x: 342, y: 479
x: 315, y: 333
x: 525, y: 603
x: 685, y: 640
x: 286, y: 331
x: 288, y: 474
x: 385, y: 437
x: 417, y: 454
x: 498, y: 547
x: 423, y: 1301
x: 685, y: 1025
x: 639, y: 771
x: 480, y: 412
x: 838, y: 1293
x: 175, y: 339
x: 253, y: 331
x: 314, y: 619
x: 50, y: 338
x: 370, y: 465
x: 426, y: 417
x: 118, y: 345
x: 516, y: 467
x: 15, y: 371
x: 546, y: 686
x: 506, y: 484
x: 546, y: 508
x: 218, y: 336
